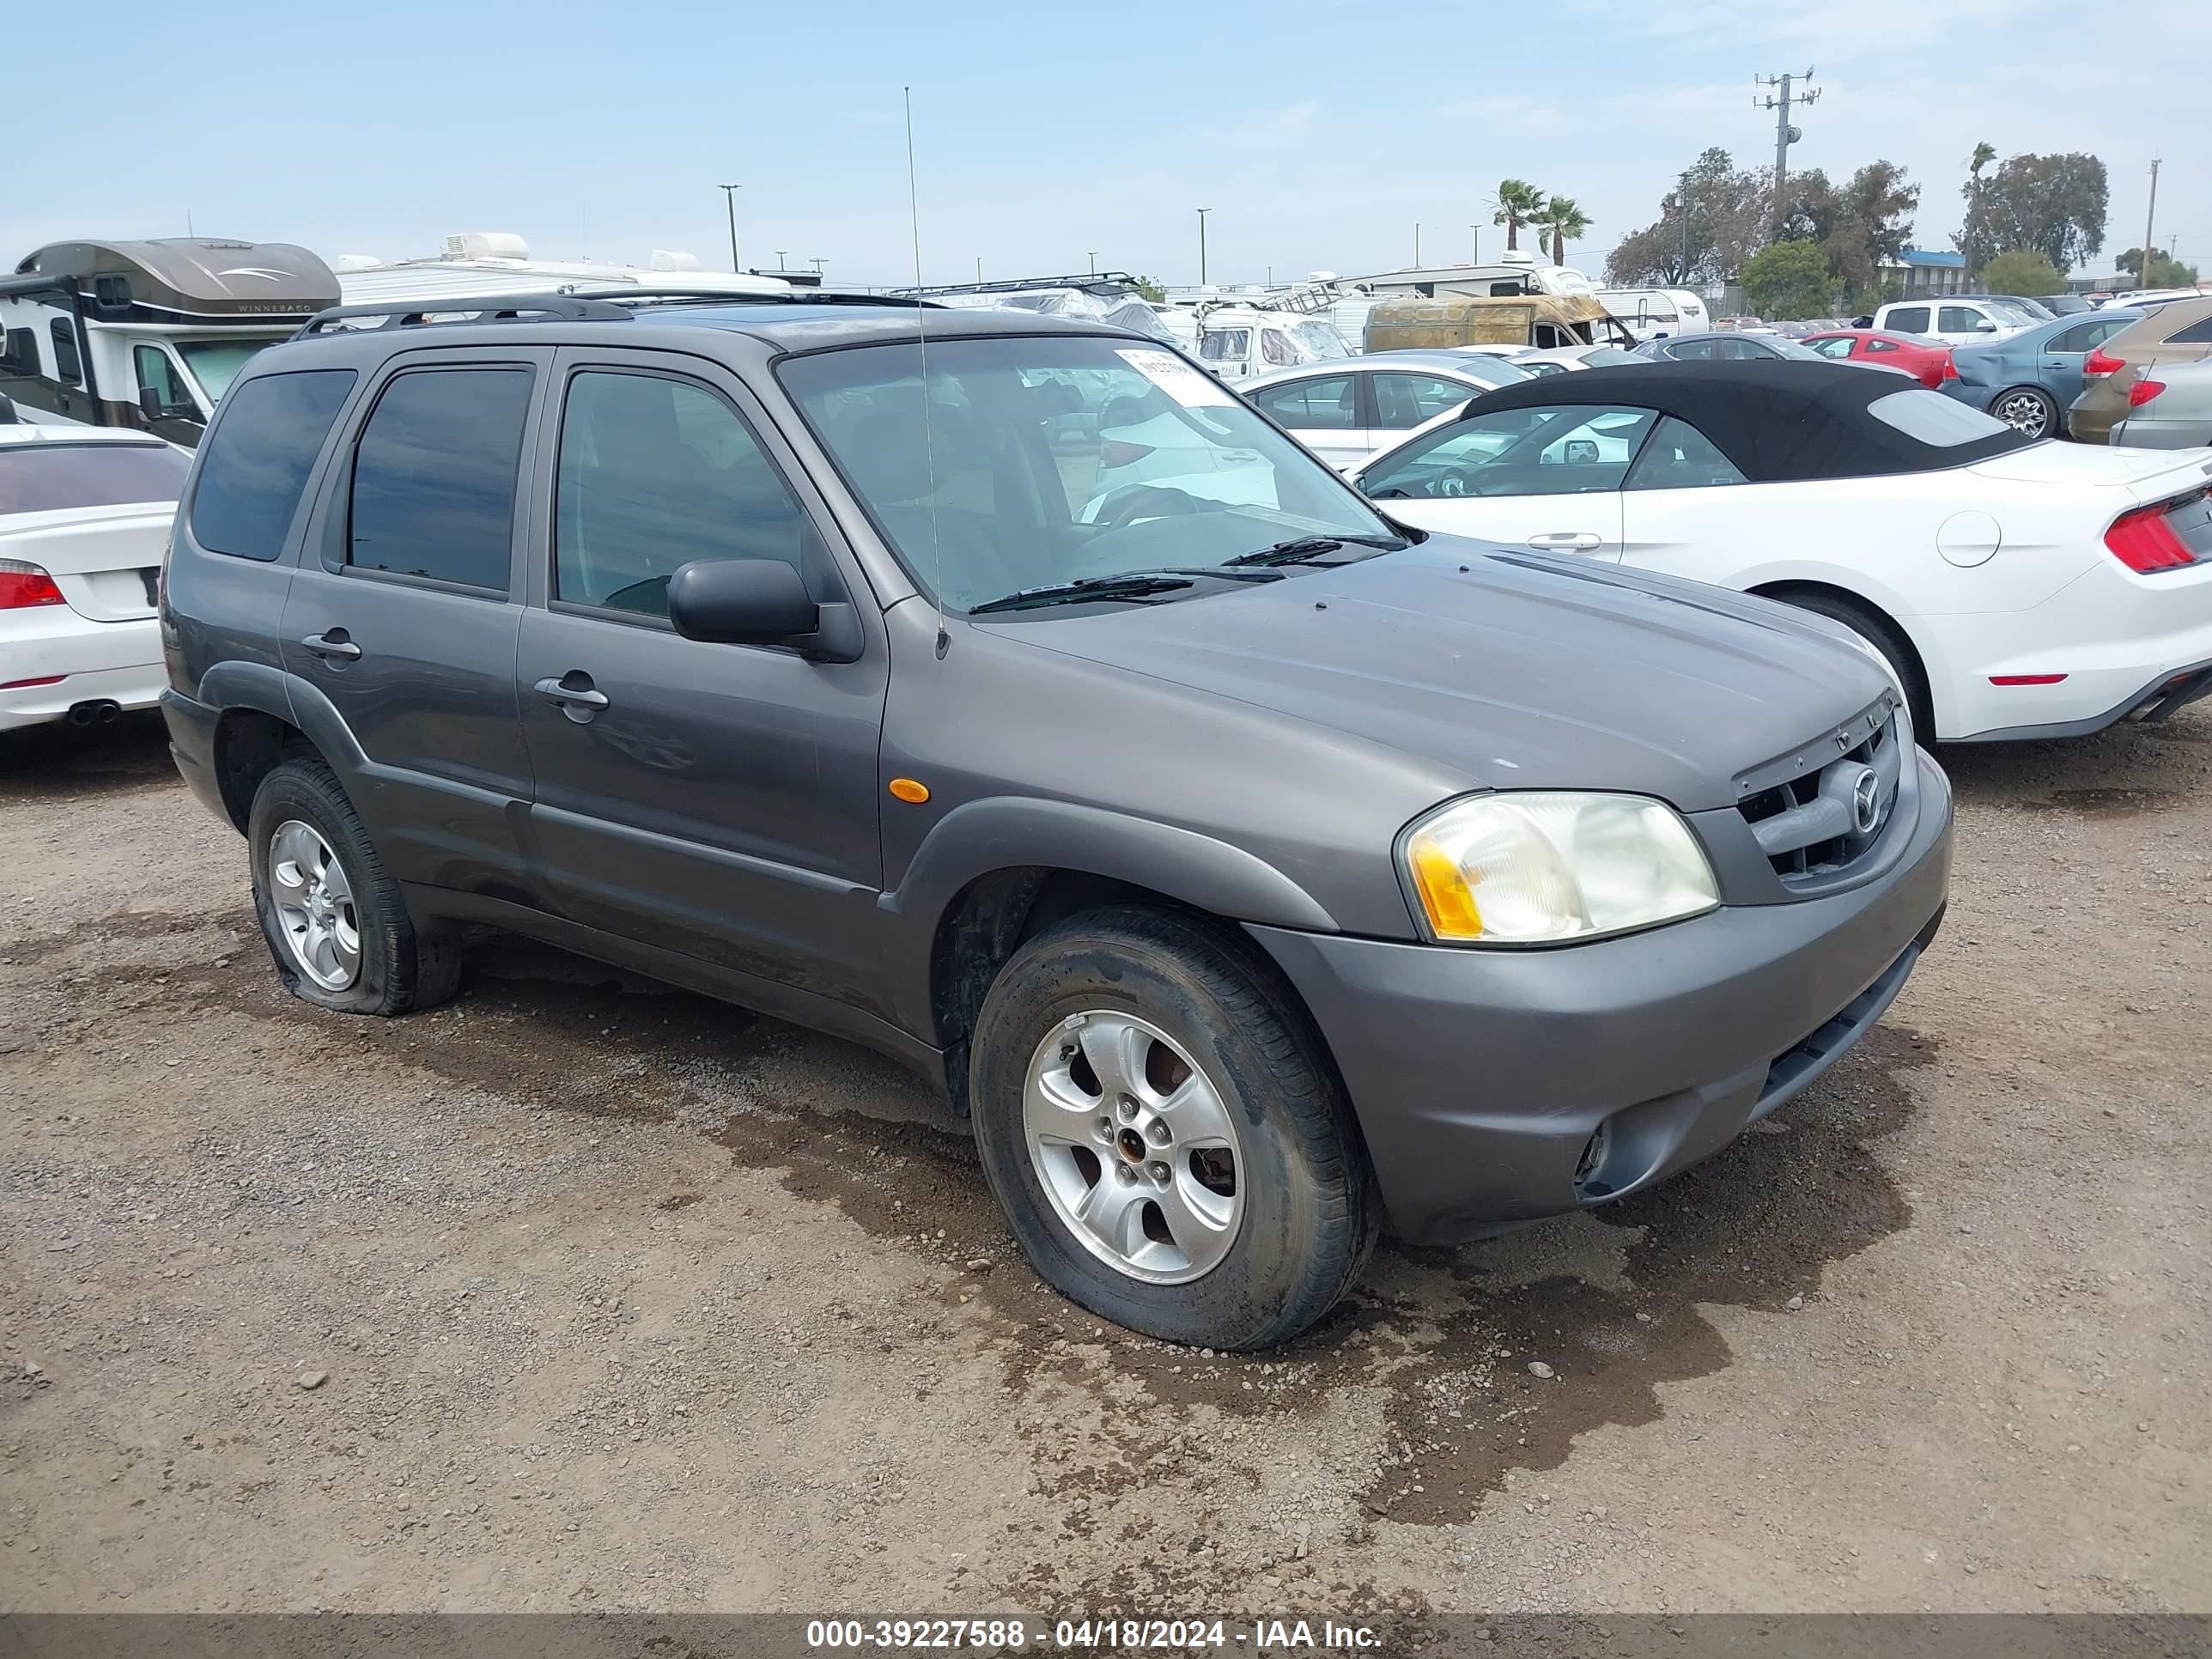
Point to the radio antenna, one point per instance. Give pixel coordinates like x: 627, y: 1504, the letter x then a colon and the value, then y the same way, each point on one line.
x: 928, y: 440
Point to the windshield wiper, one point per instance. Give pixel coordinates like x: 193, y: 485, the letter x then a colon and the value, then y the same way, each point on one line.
x: 1122, y: 585
x: 1302, y: 550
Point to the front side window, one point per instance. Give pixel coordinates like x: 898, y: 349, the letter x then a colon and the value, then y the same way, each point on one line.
x: 1958, y: 319
x: 434, y: 476
x: 1679, y: 457
x: 1326, y: 404
x: 654, y: 473
x: 1564, y: 450
x: 157, y: 371
x: 257, y: 458
x: 1403, y: 402
x: 985, y: 481
x: 1275, y: 347
x: 68, y: 369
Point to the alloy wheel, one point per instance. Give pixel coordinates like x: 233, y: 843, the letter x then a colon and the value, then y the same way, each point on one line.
x: 2026, y: 412
x: 314, y: 905
x: 1136, y: 1150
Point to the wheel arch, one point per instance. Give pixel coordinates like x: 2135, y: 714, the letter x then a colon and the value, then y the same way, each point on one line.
x: 262, y: 717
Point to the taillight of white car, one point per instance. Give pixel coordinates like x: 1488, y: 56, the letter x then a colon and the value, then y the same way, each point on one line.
x: 22, y: 585
x: 2147, y: 541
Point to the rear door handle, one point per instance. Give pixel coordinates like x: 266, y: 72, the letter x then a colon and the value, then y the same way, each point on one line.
x: 1572, y: 541
x: 580, y: 695
x: 332, y: 644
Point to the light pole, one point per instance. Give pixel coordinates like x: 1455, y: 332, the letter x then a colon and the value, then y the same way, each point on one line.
x: 1093, y: 257
x: 817, y: 262
x: 1474, y: 245
x: 1202, y: 212
x: 730, y: 201
x: 780, y: 252
x: 978, y: 270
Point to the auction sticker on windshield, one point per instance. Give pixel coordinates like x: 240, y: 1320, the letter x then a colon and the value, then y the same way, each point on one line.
x: 1192, y: 388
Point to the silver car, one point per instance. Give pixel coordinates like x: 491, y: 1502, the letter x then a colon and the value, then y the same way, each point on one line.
x: 1345, y: 411
x: 2169, y: 407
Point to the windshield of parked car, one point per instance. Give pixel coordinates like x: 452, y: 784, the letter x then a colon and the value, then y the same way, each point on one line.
x: 1061, y: 458
x: 1320, y: 341
x: 215, y: 363
x: 45, y: 477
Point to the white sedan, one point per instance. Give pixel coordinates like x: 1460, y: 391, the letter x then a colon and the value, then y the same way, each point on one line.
x: 2016, y: 588
x: 84, y: 520
x: 1345, y: 411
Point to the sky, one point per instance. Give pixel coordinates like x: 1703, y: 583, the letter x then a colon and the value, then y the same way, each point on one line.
x: 1320, y: 133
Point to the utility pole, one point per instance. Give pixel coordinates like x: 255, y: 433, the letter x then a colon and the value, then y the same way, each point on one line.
x: 1417, y: 244
x: 1784, y: 134
x: 2150, y: 218
x: 1202, y: 212
x: 729, y: 200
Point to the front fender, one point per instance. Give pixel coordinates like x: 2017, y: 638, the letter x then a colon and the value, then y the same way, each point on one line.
x: 1005, y: 832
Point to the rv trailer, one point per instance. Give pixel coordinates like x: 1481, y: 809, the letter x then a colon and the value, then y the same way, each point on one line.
x: 147, y: 334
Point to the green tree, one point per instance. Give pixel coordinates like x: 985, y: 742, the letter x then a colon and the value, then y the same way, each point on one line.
x: 1712, y: 222
x: 1518, y: 203
x: 2023, y: 270
x: 1789, y: 280
x: 1564, y: 222
x: 2054, y: 205
x: 1151, y: 291
x: 2165, y: 270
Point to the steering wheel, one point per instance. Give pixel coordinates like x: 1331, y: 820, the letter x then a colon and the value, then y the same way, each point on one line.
x: 1145, y: 501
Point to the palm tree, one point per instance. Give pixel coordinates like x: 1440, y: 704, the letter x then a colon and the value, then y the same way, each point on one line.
x: 1565, y: 222
x: 1519, y: 202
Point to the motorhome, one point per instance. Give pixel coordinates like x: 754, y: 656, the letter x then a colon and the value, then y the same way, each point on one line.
x: 473, y: 264
x: 1654, y: 314
x: 1240, y: 332
x: 147, y: 334
x: 1105, y: 296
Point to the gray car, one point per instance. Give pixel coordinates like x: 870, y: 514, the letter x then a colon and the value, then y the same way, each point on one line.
x: 1246, y: 868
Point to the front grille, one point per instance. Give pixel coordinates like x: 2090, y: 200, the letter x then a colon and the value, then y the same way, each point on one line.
x: 1816, y: 811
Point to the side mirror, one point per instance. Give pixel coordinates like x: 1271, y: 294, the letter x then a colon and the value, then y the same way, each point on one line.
x: 741, y: 602
x: 1985, y: 327
x: 150, y: 404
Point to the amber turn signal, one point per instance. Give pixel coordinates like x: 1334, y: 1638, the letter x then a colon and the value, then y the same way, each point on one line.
x: 910, y: 792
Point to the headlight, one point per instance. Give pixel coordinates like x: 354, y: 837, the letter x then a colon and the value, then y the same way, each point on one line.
x: 1544, y: 867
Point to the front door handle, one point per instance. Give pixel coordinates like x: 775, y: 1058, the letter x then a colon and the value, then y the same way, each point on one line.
x: 1571, y: 541
x: 575, y: 690
x: 333, y: 643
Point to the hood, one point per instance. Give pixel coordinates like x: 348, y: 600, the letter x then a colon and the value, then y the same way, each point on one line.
x: 1515, y: 670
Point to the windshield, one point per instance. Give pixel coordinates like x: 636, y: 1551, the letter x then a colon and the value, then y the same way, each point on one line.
x: 1060, y: 459
x: 215, y: 363
x: 1320, y: 340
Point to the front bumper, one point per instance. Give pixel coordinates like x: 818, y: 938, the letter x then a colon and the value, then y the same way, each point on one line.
x: 1482, y: 1080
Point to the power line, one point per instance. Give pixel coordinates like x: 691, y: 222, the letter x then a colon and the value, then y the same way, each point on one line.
x: 1784, y: 134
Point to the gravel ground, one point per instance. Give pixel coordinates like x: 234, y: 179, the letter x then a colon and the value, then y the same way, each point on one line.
x: 581, y: 1293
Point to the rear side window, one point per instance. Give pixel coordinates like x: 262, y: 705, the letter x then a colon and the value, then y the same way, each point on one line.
x: 258, y: 457
x: 434, y: 476
x: 42, y: 477
x: 1907, y: 319
x: 2197, y: 334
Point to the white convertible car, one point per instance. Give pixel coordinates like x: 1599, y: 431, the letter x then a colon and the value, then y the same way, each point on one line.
x: 2017, y: 588
x: 84, y: 518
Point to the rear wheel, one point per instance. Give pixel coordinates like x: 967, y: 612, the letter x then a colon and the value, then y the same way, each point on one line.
x: 1880, y: 633
x: 2027, y: 410
x: 335, y: 922
x: 1164, y: 1134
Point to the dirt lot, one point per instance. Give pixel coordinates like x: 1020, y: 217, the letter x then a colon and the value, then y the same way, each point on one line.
x: 620, y: 1297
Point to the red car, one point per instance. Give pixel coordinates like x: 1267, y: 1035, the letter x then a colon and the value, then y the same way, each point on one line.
x: 1929, y: 359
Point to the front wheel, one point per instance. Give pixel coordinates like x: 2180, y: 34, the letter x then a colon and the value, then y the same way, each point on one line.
x: 1166, y: 1135
x: 2029, y: 410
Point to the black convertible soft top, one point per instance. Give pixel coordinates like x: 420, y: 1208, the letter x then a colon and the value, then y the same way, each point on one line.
x: 1774, y: 421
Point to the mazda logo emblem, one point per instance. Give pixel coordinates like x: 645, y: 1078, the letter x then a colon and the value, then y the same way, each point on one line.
x: 1866, y: 801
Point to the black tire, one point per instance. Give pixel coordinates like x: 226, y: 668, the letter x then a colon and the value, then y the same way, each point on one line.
x: 403, y: 969
x: 1310, y: 1208
x: 1883, y: 636
x: 2029, y: 409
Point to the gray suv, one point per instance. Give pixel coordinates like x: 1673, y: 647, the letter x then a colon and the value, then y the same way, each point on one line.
x: 1001, y: 692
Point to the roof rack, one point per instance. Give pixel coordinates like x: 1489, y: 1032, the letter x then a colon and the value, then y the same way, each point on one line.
x: 613, y: 302
x: 1118, y: 282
